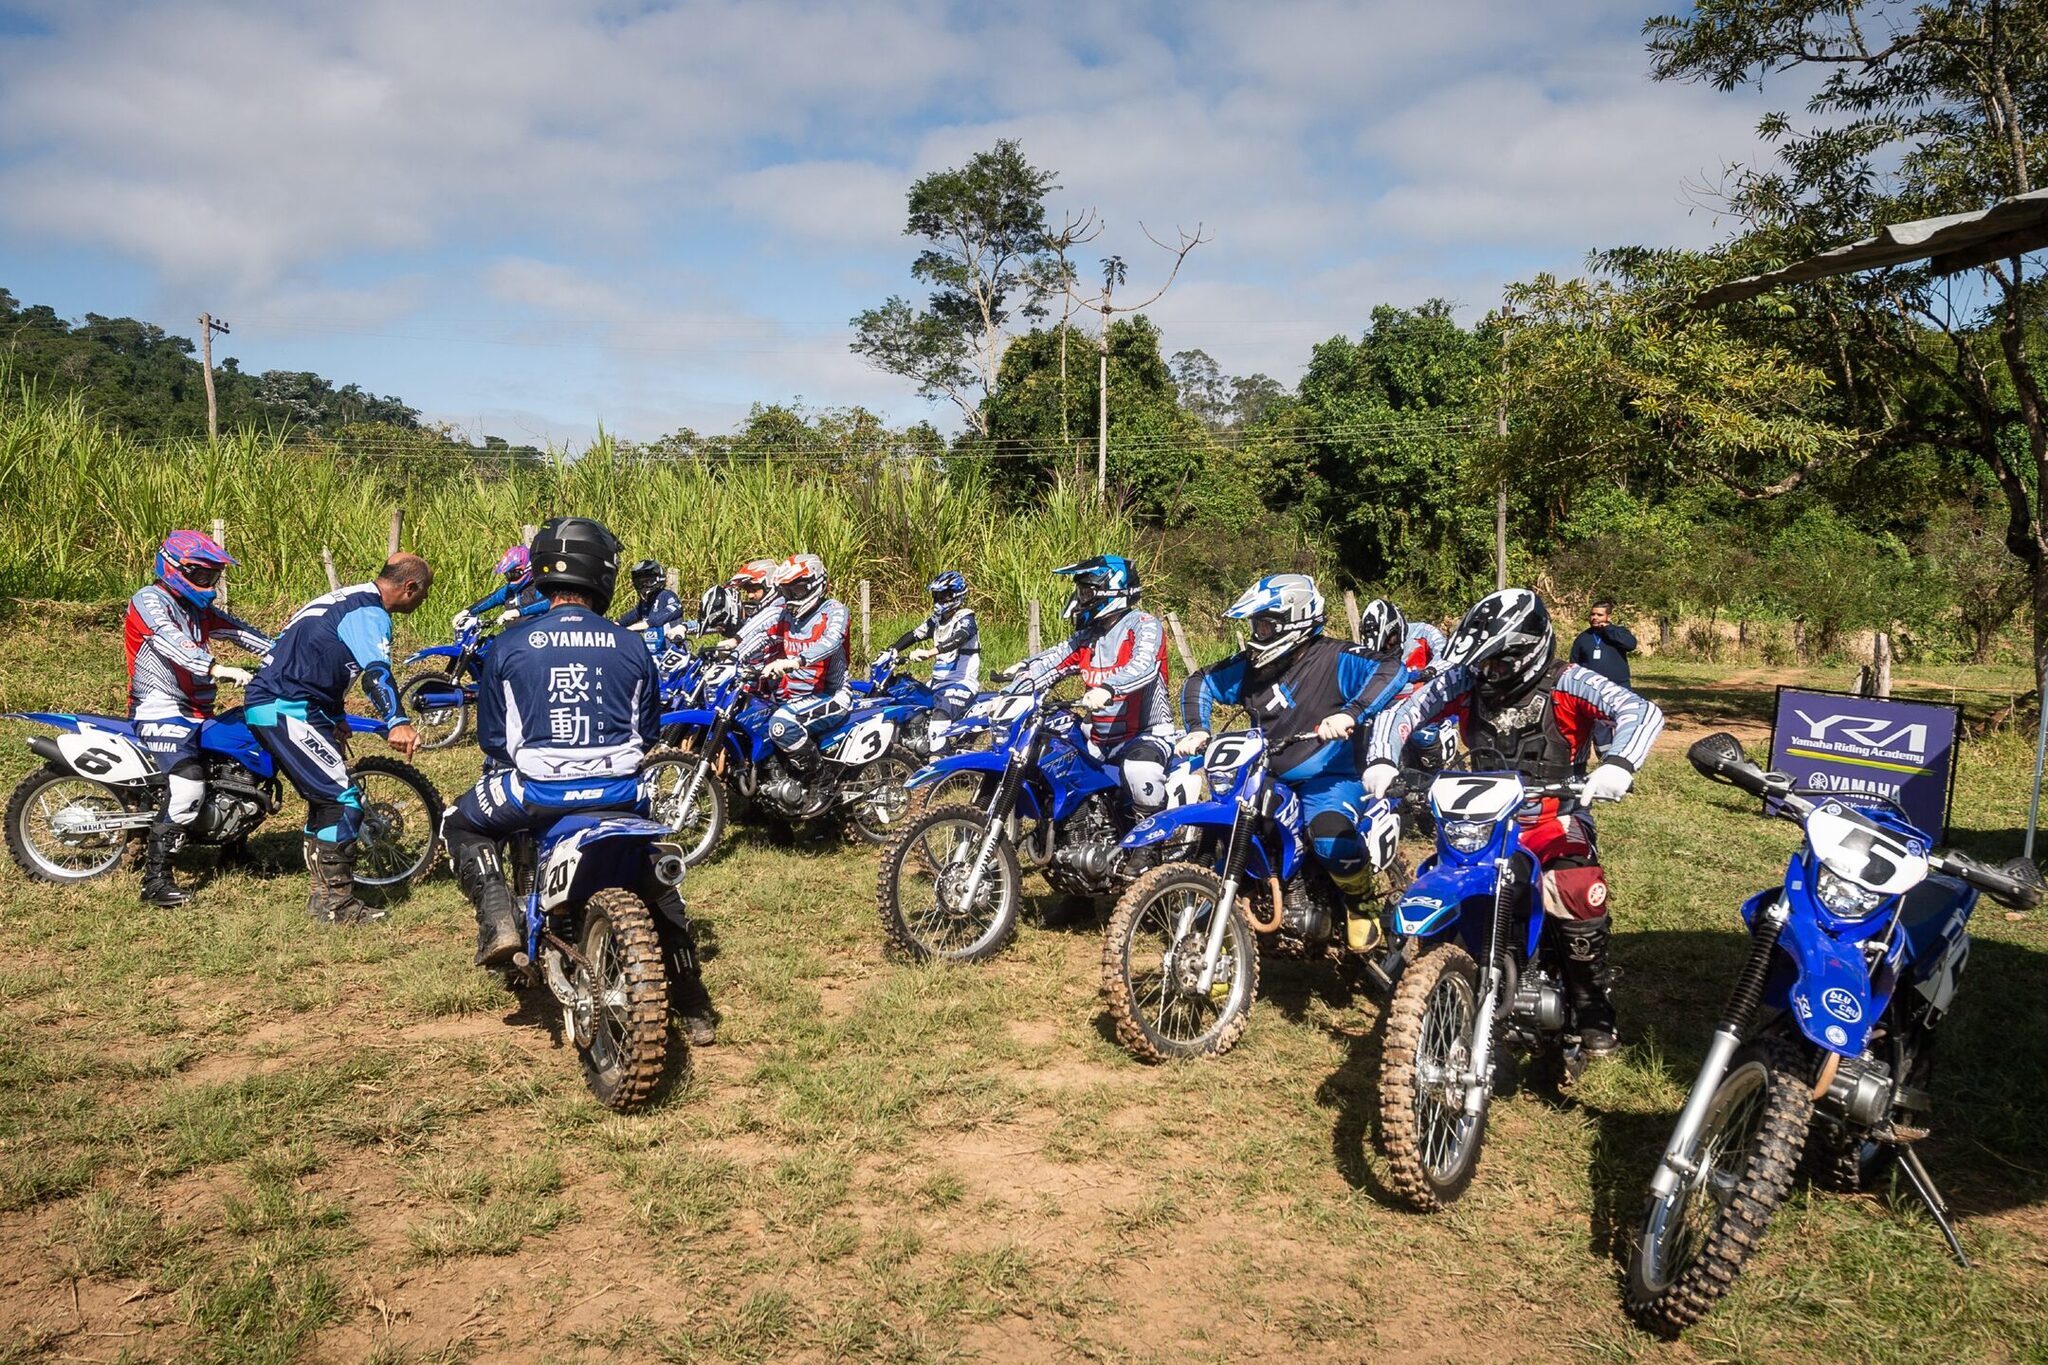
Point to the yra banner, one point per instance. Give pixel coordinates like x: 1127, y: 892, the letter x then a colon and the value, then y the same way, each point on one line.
x: 1902, y: 751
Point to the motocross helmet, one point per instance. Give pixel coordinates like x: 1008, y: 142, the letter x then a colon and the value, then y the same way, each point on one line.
x: 1104, y: 588
x: 190, y: 565
x: 948, y: 591
x: 719, y: 610
x: 647, y: 577
x: 1382, y: 628
x: 802, y: 581
x: 1285, y: 609
x: 1506, y: 640
x: 580, y: 555
x: 754, y: 581
x: 516, y: 564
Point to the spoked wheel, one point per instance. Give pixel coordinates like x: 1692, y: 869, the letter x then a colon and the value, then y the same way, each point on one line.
x: 1152, y: 967
x: 698, y: 817
x: 931, y: 903
x: 1432, y: 1145
x: 401, y: 831
x: 961, y: 787
x: 879, y: 797
x: 1694, y: 1244
x: 54, y: 829
x: 620, y: 1015
x: 438, y: 709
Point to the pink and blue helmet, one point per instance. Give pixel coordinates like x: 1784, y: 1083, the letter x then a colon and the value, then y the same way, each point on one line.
x: 517, y: 564
x: 190, y: 565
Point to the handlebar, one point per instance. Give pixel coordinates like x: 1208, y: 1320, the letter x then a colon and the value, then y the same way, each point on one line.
x: 1719, y: 757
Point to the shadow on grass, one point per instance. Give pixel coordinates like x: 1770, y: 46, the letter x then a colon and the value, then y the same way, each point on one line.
x: 1709, y: 705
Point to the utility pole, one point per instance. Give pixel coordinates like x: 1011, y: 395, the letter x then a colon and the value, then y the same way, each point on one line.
x: 1500, y: 500
x: 1102, y: 404
x: 207, y: 327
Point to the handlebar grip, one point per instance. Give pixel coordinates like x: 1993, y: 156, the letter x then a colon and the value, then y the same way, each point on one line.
x: 1719, y: 756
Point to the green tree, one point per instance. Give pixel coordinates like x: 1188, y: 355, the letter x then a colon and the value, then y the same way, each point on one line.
x: 1939, y: 109
x: 986, y: 261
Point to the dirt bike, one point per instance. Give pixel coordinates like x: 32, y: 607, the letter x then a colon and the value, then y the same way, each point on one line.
x: 98, y: 790
x: 439, y: 702
x: 1478, y: 979
x: 1180, y: 961
x: 951, y: 882
x: 713, y: 753
x: 1825, y: 1048
x: 606, y: 936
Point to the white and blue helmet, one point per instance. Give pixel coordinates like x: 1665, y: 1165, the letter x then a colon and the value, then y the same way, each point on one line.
x: 1284, y: 610
x: 1104, y: 587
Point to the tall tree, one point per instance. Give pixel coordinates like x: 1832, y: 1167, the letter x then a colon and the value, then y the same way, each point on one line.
x: 1938, y: 109
x: 986, y: 260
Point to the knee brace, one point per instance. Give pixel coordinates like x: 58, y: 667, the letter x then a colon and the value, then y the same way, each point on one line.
x: 1575, y: 890
x: 184, y: 789
x: 1337, y: 844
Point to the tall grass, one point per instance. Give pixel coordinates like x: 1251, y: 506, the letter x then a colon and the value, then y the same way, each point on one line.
x: 85, y: 508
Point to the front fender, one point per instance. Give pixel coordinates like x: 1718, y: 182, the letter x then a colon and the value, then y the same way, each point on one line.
x: 1432, y: 901
x: 1824, y: 981
x: 433, y: 652
x: 991, y: 762
x: 689, y: 715
x: 1155, y: 829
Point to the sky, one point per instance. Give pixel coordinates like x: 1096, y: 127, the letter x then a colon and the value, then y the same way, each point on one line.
x: 530, y: 218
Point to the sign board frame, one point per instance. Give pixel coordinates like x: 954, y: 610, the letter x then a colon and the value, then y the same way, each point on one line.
x: 1806, y: 763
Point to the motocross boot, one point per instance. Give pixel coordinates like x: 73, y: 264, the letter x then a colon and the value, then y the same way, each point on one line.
x: 159, y: 887
x: 498, y: 936
x: 1585, y: 983
x: 332, y: 897
x: 1362, y: 931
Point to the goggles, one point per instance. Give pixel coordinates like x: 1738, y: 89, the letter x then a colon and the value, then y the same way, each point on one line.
x: 200, y: 575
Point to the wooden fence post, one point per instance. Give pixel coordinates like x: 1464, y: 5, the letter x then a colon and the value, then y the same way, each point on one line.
x: 1799, y: 638
x: 1180, y: 642
x: 526, y: 535
x: 1031, y: 628
x: 1351, y: 612
x: 864, y: 620
x: 1881, y: 664
x: 220, y: 538
x: 327, y: 563
x: 397, y: 530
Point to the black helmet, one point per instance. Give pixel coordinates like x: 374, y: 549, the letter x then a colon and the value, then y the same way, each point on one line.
x: 719, y: 609
x: 1505, y: 640
x: 577, y: 554
x: 647, y: 576
x: 1381, y: 626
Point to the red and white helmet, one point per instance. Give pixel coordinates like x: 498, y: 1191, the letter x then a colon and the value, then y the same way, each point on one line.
x: 802, y: 582
x: 754, y: 581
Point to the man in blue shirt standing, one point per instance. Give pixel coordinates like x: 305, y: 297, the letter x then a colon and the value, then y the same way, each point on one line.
x: 1604, y: 645
x: 297, y: 704
x: 568, y: 706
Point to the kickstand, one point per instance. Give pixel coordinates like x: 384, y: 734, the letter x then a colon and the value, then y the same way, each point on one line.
x: 1923, y: 1185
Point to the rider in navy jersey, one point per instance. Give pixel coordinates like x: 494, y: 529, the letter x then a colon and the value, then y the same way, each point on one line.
x: 955, y: 648
x: 655, y: 606
x: 296, y: 704
x: 568, y: 706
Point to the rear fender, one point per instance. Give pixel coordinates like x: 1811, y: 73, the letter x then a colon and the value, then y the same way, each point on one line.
x: 104, y: 756
x: 584, y: 854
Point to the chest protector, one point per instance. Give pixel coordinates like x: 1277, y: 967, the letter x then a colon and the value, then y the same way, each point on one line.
x: 1523, y: 736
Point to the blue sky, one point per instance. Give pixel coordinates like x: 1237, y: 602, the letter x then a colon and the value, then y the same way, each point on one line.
x: 527, y: 217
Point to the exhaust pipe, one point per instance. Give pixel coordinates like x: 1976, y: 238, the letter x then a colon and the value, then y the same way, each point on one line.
x: 46, y: 748
x: 669, y: 868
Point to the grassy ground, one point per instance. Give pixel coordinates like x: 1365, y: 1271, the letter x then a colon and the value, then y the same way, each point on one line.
x: 226, y: 1134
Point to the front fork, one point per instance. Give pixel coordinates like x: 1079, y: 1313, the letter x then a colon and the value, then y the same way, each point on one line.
x: 714, y: 742
x: 1680, y: 1161
x: 1480, y: 1083
x: 1234, y: 857
x: 998, y: 815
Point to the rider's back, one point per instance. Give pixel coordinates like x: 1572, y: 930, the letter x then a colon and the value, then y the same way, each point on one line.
x: 569, y: 696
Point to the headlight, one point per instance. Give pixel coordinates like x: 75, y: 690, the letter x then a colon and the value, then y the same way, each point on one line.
x: 1843, y: 897
x: 1467, y: 836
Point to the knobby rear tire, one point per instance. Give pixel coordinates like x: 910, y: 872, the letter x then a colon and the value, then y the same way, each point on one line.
x: 22, y: 847
x: 624, y: 1071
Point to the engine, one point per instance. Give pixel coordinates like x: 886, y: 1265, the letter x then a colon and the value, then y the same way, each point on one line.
x: 230, y: 809
x: 1085, y: 859
x: 1861, y: 1091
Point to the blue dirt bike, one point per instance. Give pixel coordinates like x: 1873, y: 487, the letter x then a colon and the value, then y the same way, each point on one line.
x: 438, y: 700
x: 605, y: 934
x: 1180, y: 962
x: 77, y: 817
x: 719, y: 753
x: 1825, y: 1048
x: 1478, y: 978
x: 951, y: 882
